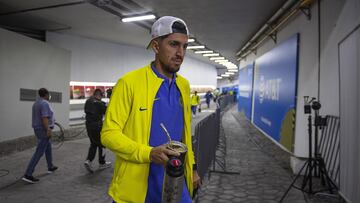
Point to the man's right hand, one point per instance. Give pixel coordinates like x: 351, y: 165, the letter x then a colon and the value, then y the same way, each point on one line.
x: 49, y: 132
x: 160, y: 154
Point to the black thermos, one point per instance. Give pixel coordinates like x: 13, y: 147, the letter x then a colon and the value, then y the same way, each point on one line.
x: 173, y: 181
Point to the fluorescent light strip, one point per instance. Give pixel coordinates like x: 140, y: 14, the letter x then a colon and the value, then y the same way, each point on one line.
x: 204, y: 52
x: 231, y: 67
x: 229, y: 73
x: 217, y: 58
x: 225, y: 75
x: 196, y: 47
x: 218, y: 77
x: 221, y: 61
x: 214, y: 54
x: 233, y: 70
x: 138, y: 18
x: 227, y: 63
x: 191, y: 40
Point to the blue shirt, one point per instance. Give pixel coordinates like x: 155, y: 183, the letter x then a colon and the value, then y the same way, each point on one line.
x: 41, y: 109
x: 167, y: 109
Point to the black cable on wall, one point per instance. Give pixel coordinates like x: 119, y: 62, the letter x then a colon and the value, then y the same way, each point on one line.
x: 319, y: 48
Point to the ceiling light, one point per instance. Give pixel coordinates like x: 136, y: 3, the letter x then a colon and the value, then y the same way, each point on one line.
x: 203, y: 52
x: 230, y: 73
x: 227, y: 63
x: 191, y: 40
x: 233, y: 70
x: 196, y: 47
x: 221, y: 61
x: 225, y: 75
x: 138, y: 18
x: 231, y: 67
x: 217, y: 58
x: 215, y: 54
x: 218, y: 77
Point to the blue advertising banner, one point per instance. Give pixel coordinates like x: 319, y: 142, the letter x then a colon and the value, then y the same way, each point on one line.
x: 246, y: 90
x: 275, y: 80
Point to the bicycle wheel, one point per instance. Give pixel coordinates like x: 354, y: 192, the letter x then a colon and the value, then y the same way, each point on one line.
x: 58, y: 135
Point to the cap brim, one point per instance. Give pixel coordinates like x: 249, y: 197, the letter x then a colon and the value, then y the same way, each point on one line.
x: 149, y: 45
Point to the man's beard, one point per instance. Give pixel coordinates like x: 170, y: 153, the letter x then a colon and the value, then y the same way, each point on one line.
x: 169, y: 69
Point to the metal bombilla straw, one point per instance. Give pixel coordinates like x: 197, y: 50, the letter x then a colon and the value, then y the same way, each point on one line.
x: 167, y: 134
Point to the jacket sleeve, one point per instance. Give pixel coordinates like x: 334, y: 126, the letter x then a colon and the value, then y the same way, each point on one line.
x: 117, y: 114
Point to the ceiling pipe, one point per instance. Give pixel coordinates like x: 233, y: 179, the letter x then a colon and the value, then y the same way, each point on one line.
x: 271, y: 28
x: 281, y: 11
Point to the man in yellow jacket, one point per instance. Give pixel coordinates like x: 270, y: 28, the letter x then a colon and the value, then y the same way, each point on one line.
x: 195, y: 101
x: 140, y: 101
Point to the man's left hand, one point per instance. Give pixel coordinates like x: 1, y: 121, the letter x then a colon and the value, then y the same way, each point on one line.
x: 196, y: 180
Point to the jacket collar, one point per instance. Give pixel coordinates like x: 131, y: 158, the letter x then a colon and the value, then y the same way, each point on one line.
x: 155, y: 81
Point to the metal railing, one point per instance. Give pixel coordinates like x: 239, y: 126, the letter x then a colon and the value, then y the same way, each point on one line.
x: 329, y: 147
x: 209, y: 143
x: 225, y: 101
x: 205, y: 141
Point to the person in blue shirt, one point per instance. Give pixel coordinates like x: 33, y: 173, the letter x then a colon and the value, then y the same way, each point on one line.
x: 42, y: 123
x: 167, y: 108
x: 208, y: 97
x: 159, y: 95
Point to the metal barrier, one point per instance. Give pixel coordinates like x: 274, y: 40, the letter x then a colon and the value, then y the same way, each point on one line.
x: 205, y: 141
x: 329, y: 147
x: 225, y: 101
x: 209, y: 143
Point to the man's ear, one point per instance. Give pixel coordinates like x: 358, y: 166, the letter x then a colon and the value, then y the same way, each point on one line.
x: 155, y: 46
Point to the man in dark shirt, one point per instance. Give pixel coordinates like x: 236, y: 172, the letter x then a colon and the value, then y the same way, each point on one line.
x: 208, y: 97
x: 95, y: 110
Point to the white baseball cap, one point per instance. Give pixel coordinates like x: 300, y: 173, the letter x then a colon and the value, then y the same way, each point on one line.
x: 164, y: 26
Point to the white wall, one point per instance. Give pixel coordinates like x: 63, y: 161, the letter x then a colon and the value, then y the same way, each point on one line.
x: 307, y: 74
x: 198, y: 72
x: 331, y: 12
x: 349, y: 54
x: 102, y: 61
x: 31, y: 64
x: 338, y: 19
x: 227, y: 83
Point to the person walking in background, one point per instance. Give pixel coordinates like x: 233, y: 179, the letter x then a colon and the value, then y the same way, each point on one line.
x: 216, y: 94
x: 108, y: 93
x: 42, y: 123
x: 208, y: 97
x: 141, y: 100
x: 95, y: 110
x: 195, y: 101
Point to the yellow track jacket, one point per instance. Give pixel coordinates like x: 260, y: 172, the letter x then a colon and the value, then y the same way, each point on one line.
x: 126, y: 132
x: 195, y: 100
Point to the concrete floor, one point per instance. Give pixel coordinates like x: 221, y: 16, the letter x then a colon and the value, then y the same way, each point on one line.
x: 262, y: 177
x: 264, y: 172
